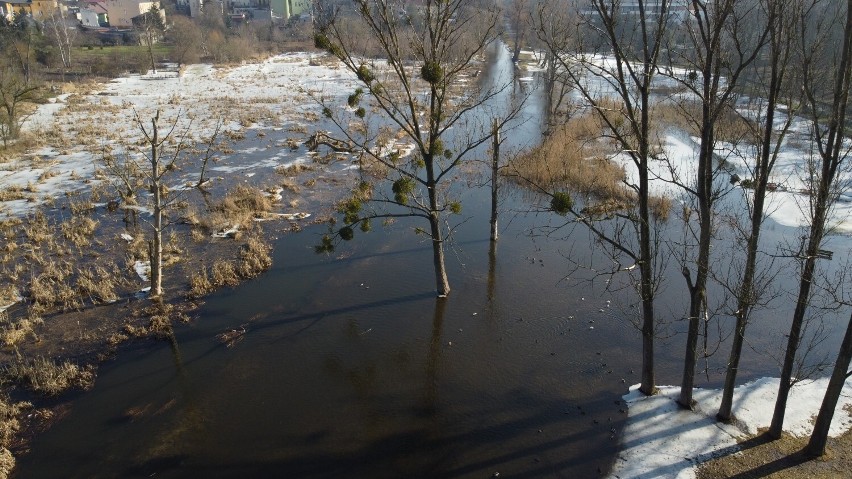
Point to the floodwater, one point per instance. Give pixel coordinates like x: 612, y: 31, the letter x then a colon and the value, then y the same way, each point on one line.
x: 350, y: 367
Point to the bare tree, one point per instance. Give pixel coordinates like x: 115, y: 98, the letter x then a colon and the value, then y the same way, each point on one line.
x: 150, y: 27
x: 15, y: 91
x: 840, y: 373
x: 826, y: 80
x: 519, y: 13
x: 186, y: 38
x: 166, y: 148
x: 64, y: 32
x: 719, y: 51
x: 415, y: 86
x: 773, y: 75
x: 555, y: 26
x: 625, y: 110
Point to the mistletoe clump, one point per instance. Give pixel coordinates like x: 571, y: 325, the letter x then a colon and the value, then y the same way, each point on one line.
x: 561, y: 203
x: 432, y: 72
x: 364, y: 74
x: 402, y: 188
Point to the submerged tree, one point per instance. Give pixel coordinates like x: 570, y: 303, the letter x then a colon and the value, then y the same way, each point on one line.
x: 421, y: 83
x: 825, y: 43
x: 554, y: 24
x: 165, y: 149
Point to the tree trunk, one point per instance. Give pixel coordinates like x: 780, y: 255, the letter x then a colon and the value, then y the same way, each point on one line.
x: 831, y: 157
x: 442, y: 284
x: 704, y: 192
x: 646, y: 258
x: 156, y: 244
x: 819, y: 436
x: 495, y: 165
x: 794, y: 338
x: 745, y: 296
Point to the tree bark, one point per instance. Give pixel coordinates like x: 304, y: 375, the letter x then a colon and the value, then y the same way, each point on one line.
x: 819, y: 436
x: 831, y: 156
x: 156, y: 244
x: 746, y: 294
x: 495, y: 166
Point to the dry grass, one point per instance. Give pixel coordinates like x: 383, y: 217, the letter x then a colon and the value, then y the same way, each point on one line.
x: 293, y: 170
x: 200, y: 284
x: 12, y: 193
x: 15, y: 333
x: 254, y: 258
x: 79, y: 230
x: 37, y: 229
x: 10, y: 413
x: 46, y: 376
x: 224, y: 273
x: 781, y: 459
x: 7, y: 463
x: 51, y: 290
x: 239, y: 207
x: 98, y: 284
x: 576, y: 156
x: 8, y: 293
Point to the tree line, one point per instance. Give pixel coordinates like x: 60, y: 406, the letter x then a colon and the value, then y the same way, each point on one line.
x: 738, y: 75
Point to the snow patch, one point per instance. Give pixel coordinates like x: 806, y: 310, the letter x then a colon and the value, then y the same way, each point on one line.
x: 663, y: 440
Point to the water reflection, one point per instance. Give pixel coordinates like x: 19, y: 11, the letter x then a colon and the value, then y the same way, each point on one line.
x: 433, y: 360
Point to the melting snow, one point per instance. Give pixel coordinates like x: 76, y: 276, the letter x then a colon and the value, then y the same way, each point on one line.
x: 662, y: 440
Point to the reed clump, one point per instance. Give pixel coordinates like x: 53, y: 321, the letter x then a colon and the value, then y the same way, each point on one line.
x: 579, y: 157
x: 47, y: 376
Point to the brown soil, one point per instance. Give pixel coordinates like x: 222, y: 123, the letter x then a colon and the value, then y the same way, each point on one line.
x: 781, y: 459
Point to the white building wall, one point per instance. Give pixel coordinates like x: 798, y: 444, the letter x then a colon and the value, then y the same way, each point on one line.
x: 122, y: 12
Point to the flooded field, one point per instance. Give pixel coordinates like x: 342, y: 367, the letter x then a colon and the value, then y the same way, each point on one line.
x: 346, y: 365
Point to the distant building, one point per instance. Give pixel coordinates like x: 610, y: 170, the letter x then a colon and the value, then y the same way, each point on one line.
x: 93, y: 14
x: 122, y: 12
x: 37, y: 9
x: 652, y: 7
x: 287, y: 9
x: 194, y: 8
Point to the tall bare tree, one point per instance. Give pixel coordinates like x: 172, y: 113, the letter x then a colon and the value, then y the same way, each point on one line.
x: 150, y: 26
x: 519, y: 13
x: 840, y: 373
x: 64, y: 32
x: 825, y: 44
x: 415, y: 84
x: 166, y: 148
x: 773, y: 83
x: 15, y: 92
x: 717, y: 54
x: 625, y: 108
x: 555, y: 26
